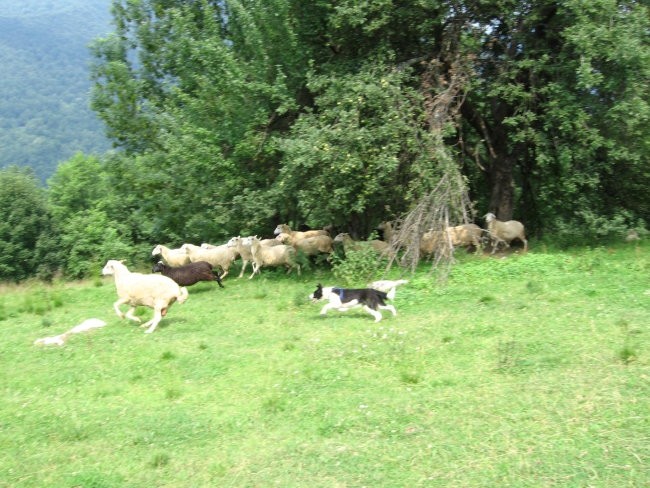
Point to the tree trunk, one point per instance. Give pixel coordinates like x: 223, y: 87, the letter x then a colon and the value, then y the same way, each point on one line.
x: 502, y: 192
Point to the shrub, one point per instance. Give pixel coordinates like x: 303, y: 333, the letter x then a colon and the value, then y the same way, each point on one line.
x: 359, y: 265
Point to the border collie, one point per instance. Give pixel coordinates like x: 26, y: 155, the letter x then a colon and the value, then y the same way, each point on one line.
x: 343, y: 299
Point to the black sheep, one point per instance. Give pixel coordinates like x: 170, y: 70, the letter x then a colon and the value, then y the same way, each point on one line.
x: 188, y: 274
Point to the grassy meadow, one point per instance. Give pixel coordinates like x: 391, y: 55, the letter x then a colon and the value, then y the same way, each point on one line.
x: 526, y: 371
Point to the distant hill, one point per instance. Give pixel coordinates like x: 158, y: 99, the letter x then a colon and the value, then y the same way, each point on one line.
x: 44, y: 81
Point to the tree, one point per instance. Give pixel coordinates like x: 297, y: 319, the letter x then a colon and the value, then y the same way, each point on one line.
x: 226, y: 108
x: 25, y: 216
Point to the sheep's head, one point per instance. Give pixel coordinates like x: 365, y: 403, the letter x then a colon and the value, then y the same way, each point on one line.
x: 489, y: 217
x: 112, y: 266
x: 233, y: 241
x: 157, y: 268
x: 247, y: 241
x: 156, y: 250
x: 282, y: 228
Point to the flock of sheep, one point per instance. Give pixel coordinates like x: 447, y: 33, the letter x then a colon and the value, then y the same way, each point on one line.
x: 190, y: 264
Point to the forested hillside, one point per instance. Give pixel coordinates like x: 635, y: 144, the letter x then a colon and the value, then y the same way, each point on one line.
x: 45, y: 116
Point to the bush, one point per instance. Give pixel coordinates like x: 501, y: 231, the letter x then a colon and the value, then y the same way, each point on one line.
x: 358, y: 266
x: 89, y: 239
x: 25, y: 217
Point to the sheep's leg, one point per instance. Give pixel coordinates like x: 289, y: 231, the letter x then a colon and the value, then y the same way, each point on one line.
x: 117, y: 304
x: 498, y: 241
x: 243, y: 268
x: 375, y: 313
x: 256, y: 269
x: 129, y: 315
x: 157, y: 316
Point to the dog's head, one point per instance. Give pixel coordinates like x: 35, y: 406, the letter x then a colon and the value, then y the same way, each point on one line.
x: 321, y: 293
x: 318, y: 294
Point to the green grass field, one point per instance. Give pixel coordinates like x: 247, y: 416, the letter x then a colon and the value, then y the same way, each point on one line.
x: 528, y: 371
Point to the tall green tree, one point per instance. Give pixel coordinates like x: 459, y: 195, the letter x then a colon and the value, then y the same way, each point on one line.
x: 25, y: 218
x: 238, y: 113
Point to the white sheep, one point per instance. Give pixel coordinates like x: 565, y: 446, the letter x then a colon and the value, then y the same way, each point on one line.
x: 270, y: 242
x: 310, y: 246
x: 150, y: 290
x: 222, y: 256
x: 460, y: 235
x: 172, y: 257
x: 280, y: 255
x: 243, y: 250
x: 297, y: 234
x: 504, y: 232
x: 387, y: 229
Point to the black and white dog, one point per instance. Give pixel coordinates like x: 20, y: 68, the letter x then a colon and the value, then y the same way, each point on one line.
x: 343, y: 299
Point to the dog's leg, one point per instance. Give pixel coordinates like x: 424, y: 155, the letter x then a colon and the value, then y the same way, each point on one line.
x: 389, y: 307
x: 375, y: 313
x: 323, y: 311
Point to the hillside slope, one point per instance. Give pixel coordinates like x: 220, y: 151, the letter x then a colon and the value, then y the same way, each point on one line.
x: 44, y: 113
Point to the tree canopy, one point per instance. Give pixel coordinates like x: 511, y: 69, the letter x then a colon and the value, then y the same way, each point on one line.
x: 323, y: 113
x: 233, y: 115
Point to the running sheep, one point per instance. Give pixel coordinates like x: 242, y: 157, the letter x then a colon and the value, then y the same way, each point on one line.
x: 273, y: 256
x: 295, y: 235
x: 504, y: 232
x: 173, y: 257
x: 149, y: 290
x: 221, y: 256
x: 188, y: 274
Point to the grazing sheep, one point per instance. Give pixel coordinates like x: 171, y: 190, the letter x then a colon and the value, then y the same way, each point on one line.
x: 296, y: 234
x: 173, y: 257
x: 280, y: 255
x: 221, y: 256
x: 504, y: 232
x: 310, y: 246
x: 188, y: 274
x: 350, y: 244
x: 244, y: 252
x: 153, y: 291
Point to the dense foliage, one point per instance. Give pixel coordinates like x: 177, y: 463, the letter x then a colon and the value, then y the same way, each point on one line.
x: 234, y: 115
